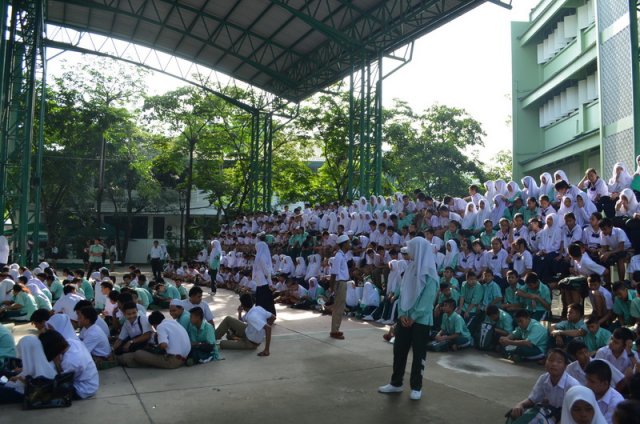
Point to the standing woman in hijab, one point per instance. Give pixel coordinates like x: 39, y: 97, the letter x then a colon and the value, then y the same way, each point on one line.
x: 214, y: 263
x: 417, y: 294
x: 262, y: 271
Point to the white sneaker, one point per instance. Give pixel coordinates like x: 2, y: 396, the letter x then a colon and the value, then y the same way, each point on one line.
x: 393, y: 340
x: 389, y: 322
x: 380, y: 321
x: 388, y: 388
x: 367, y: 318
x: 416, y: 394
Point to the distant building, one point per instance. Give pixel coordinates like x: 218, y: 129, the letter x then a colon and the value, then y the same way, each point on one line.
x: 573, y: 88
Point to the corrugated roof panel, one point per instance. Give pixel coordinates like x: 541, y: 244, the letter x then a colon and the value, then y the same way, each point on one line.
x: 146, y: 32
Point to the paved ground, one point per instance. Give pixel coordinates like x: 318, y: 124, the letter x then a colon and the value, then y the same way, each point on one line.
x: 309, y: 378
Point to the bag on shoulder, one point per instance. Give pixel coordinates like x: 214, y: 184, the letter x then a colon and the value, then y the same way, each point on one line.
x: 485, y: 337
x: 41, y: 392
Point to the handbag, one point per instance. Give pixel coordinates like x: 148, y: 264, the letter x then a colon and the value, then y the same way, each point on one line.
x: 41, y: 392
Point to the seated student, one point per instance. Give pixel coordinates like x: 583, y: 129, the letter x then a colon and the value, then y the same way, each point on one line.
x: 72, y: 356
x: 144, y: 297
x: 55, y: 287
x: 445, y: 292
x: 492, y: 292
x: 601, y: 300
x: 39, y: 318
x: 310, y: 300
x: 536, y: 297
x: 181, y: 289
x: 41, y: 297
x: 111, y: 308
x: 453, y: 330
x: 615, y: 246
x: 34, y: 364
x: 627, y: 412
x: 582, y: 266
x: 626, y: 305
x: 195, y: 299
x: 471, y: 296
x: 164, y: 294
x: 177, y: 312
x: 527, y: 341
x: 134, y: 335
x: 370, y: 301
x: 574, y: 326
x: 599, y: 381
x: 448, y: 277
x: 618, y: 352
x: 170, y: 350
x: 580, y: 353
x: 249, y: 330
x: 596, y: 336
x: 501, y: 320
x: 67, y: 302
x: 84, y: 285
x: 7, y: 346
x: 512, y: 302
x: 22, y: 306
x: 93, y: 337
x: 202, y: 337
x: 551, y: 386
x: 580, y: 407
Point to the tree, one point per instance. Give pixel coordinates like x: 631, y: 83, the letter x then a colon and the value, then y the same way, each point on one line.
x: 433, y: 151
x: 501, y: 167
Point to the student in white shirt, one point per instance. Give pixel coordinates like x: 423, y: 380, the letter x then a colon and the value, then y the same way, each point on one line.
x: 170, y: 348
x: 619, y: 353
x: 67, y: 302
x: 579, y: 350
x: 134, y: 335
x: 195, y: 300
x: 615, y: 246
x: 599, y: 381
x: 72, y: 356
x: 248, y: 331
x: 94, y: 339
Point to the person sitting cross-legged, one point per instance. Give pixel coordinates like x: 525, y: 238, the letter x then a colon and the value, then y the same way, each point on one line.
x: 527, y: 341
x: 453, y: 329
x: 203, y: 338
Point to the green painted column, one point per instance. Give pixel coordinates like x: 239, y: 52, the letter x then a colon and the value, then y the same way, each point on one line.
x: 635, y: 73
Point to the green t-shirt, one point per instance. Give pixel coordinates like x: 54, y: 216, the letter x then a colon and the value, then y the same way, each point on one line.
x: 185, y: 320
x: 204, y: 334
x: 568, y: 325
x: 183, y: 292
x: 7, y: 344
x: 510, y: 297
x: 629, y: 308
x: 596, y: 341
x: 486, y: 238
x: 454, y: 324
x: 28, y: 303
x: 491, y: 292
x: 95, y: 253
x: 455, y: 284
x: 504, y: 321
x: 543, y: 291
x: 87, y: 288
x: 535, y: 333
x: 472, y: 296
x: 57, y: 289
x: 455, y: 295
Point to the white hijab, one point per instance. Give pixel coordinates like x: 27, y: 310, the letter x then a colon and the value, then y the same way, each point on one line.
x: 62, y: 324
x: 396, y: 268
x: 585, y: 394
x: 262, y: 261
x: 421, y: 266
x: 450, y: 254
x: 546, y: 187
x: 501, y: 187
x: 624, y: 179
x: 6, y: 287
x: 470, y: 214
x: 563, y: 209
x: 497, y: 212
x: 370, y: 295
x: 513, y: 189
x: 483, y: 214
x: 530, y: 187
x: 632, y: 202
x: 491, y: 190
x: 216, y: 249
x: 583, y: 214
x: 34, y: 362
x: 313, y: 269
x: 313, y: 287
x: 352, y: 294
x: 301, y: 267
x: 563, y: 176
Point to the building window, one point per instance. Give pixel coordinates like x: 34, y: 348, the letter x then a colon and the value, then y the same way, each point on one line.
x: 158, y: 227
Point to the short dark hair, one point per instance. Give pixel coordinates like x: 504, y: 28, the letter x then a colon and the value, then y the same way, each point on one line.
x: 195, y: 290
x: 600, y: 369
x: 574, y: 250
x: 531, y: 278
x: 560, y: 352
x: 492, y: 310
x: 449, y: 302
x: 40, y: 315
x: 129, y: 305
x: 69, y: 288
x: 522, y: 313
x: 246, y: 300
x: 577, y: 307
x: 618, y: 285
x: 575, y: 346
x: 81, y: 304
x: 623, y: 333
x: 156, y: 318
x: 197, y: 311
x: 605, y: 223
x: 53, y: 344
x: 90, y: 313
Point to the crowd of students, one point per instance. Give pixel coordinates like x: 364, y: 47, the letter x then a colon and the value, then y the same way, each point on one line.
x: 443, y: 274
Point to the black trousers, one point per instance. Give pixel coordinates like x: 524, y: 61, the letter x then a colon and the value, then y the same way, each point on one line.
x: 413, y: 338
x: 156, y: 267
x: 213, y: 273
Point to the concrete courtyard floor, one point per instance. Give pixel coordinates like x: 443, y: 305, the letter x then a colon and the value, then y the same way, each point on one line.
x: 309, y: 378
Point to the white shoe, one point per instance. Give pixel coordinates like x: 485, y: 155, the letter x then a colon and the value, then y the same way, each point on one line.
x: 380, y: 321
x: 389, y: 322
x: 367, y: 318
x: 393, y: 340
x: 416, y: 394
x: 388, y: 388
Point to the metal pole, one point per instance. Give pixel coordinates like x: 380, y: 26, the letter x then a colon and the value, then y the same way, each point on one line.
x: 351, y: 136
x: 269, y: 165
x: 635, y: 72
x: 4, y: 140
x: 368, y: 134
x: 362, y: 129
x: 378, y: 133
x: 37, y: 186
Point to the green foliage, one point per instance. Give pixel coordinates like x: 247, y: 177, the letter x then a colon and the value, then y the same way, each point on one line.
x: 501, y: 167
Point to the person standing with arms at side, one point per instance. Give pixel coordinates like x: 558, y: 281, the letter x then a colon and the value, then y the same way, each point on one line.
x: 214, y: 263
x: 417, y: 295
x: 339, y: 278
x: 155, y: 256
x: 262, y: 270
x: 95, y: 256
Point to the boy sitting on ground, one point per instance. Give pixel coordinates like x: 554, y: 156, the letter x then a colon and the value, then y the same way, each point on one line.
x: 453, y: 329
x: 527, y: 341
x: 202, y: 337
x: 564, y: 331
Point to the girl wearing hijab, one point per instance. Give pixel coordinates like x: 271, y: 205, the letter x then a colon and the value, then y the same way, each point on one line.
x: 468, y: 223
x: 499, y: 210
x: 546, y: 185
x: 501, y: 187
x: 262, y: 271
x: 34, y: 364
x: 580, y: 407
x: 451, y: 256
x: 42, y: 301
x: 513, y: 192
x: 583, y: 209
x: 301, y: 268
x: 417, y: 295
x: 397, y: 267
x: 313, y: 269
x: 62, y: 324
x: 214, y: 263
x: 627, y: 204
x: 370, y: 301
x: 566, y: 206
x: 529, y: 187
x: 620, y: 179
x: 484, y: 213
x: 491, y: 190
x: 549, y: 239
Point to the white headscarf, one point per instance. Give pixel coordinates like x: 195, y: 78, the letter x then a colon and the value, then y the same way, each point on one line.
x: 262, y: 261
x: 6, y: 287
x: 333, y: 222
x: 370, y: 295
x: 547, y: 186
x: 216, y: 249
x: 34, y: 362
x: 469, y: 219
x: 497, y: 213
x: 352, y: 294
x: 491, y: 190
x: 313, y: 287
x: 483, y: 214
x: 563, y: 209
x: 286, y: 264
x: 563, y: 176
x: 530, y: 187
x: 583, y: 214
x: 396, y: 268
x: 313, y: 269
x: 301, y: 268
x: 450, y: 255
x: 632, y: 202
x: 585, y: 394
x: 624, y: 179
x: 421, y: 266
x: 501, y: 187
x: 513, y: 189
x: 62, y: 324
x: 355, y: 223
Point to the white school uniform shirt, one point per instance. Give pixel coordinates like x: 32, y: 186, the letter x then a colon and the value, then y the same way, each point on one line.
x: 102, y: 325
x: 340, y: 268
x: 586, y: 266
x: 521, y: 232
x: 599, y: 188
x: 256, y: 318
x: 78, y: 360
x: 141, y: 312
x: 543, y: 390
x: 437, y: 241
x: 634, y: 265
x: 395, y: 239
x: 95, y: 341
x: 621, y: 363
x: 155, y: 252
x: 479, y: 262
x: 131, y: 330
x: 496, y: 262
x: 522, y: 261
x: 590, y: 237
x: 608, y: 299
x: 575, y: 370
x: 504, y: 239
x: 617, y: 236
x: 533, y: 241
x: 65, y: 305
x: 109, y: 307
x: 208, y: 315
x: 570, y: 236
x: 175, y: 336
x: 608, y: 403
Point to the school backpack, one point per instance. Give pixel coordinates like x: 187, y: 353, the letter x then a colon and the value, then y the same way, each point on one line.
x: 484, y: 337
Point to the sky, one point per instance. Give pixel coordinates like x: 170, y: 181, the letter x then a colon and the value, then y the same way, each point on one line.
x: 465, y: 63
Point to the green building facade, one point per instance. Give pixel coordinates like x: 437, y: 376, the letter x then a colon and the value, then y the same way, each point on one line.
x: 573, y: 92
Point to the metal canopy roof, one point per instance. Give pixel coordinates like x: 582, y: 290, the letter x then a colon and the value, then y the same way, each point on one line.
x: 291, y: 48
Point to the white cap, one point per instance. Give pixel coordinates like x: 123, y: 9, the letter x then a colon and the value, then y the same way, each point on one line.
x: 342, y: 239
x: 404, y: 249
x: 176, y: 302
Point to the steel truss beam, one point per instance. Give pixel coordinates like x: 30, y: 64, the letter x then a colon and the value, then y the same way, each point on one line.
x: 23, y: 58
